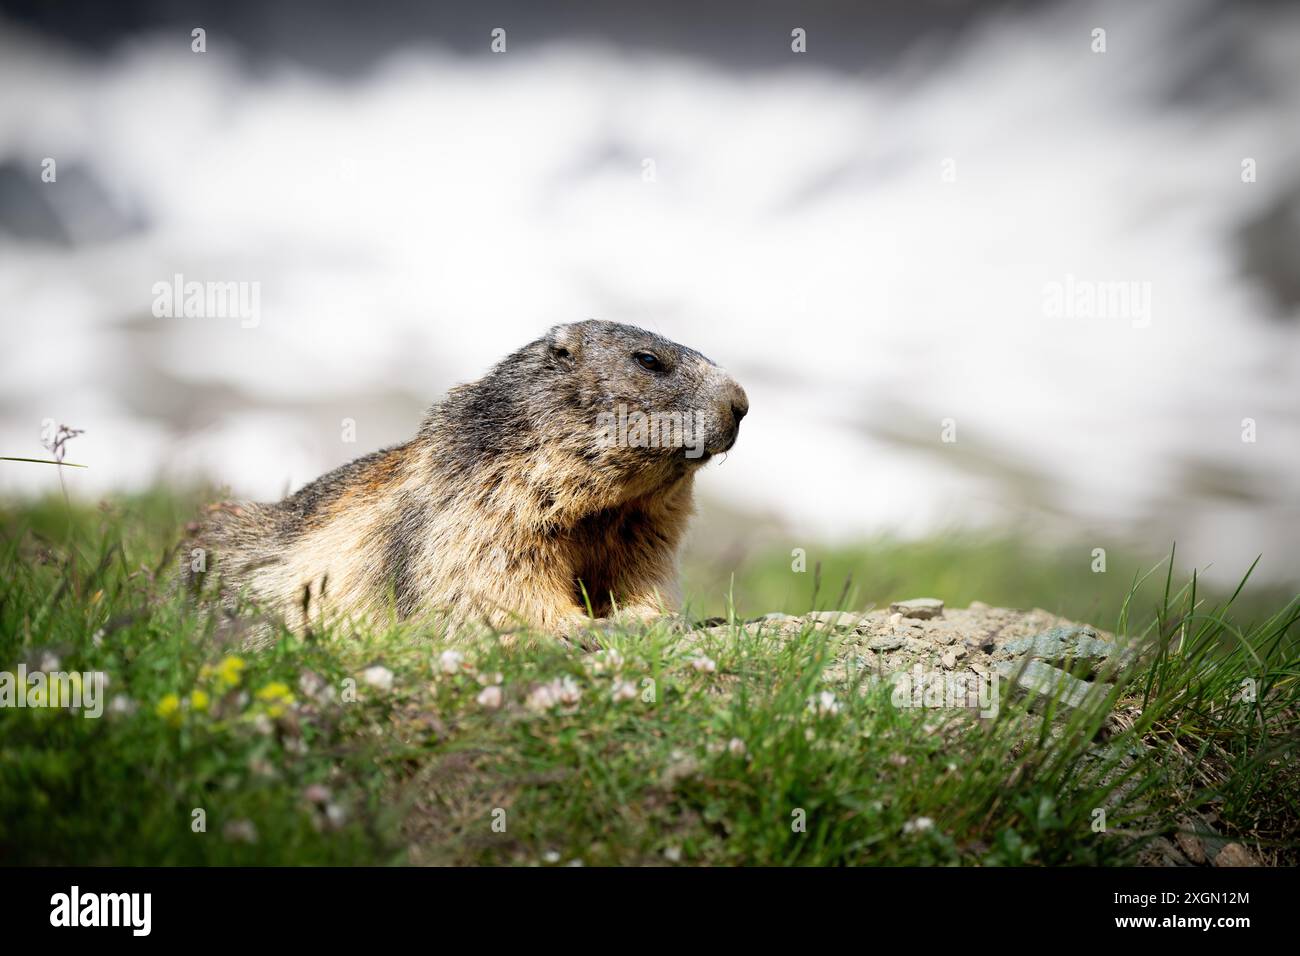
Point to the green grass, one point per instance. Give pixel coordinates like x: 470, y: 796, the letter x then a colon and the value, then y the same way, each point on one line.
x: 293, y: 757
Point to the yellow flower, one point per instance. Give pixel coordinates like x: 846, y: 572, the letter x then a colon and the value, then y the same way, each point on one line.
x: 277, y: 697
x: 169, y: 709
x: 199, y: 700
x: 230, y: 671
x: 275, y: 690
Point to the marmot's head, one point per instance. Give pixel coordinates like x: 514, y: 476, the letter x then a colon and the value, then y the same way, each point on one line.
x: 628, y: 407
x: 638, y: 396
x: 625, y: 402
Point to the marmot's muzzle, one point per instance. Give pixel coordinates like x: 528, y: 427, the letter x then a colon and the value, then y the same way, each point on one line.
x: 732, y: 405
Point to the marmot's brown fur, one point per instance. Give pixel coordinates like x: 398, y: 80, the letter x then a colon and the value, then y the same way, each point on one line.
x: 560, y: 479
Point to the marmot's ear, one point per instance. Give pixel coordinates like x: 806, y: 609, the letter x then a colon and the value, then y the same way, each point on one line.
x: 564, y: 342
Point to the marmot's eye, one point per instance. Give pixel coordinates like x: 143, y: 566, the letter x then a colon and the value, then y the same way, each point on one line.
x: 648, y: 361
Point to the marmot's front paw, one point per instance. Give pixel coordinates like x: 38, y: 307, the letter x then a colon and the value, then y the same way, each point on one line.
x: 584, y: 639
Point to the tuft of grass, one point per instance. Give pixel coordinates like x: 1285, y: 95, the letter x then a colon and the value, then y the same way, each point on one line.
x: 736, y: 745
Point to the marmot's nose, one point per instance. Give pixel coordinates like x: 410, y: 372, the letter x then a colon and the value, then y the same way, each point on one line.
x: 739, y: 402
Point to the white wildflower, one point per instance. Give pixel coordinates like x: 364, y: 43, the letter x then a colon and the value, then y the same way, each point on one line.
x: 541, y: 698
x: 317, y: 793
x: 565, y: 691
x: 824, y: 704
x: 240, y: 831
x: 606, y: 661
x: 568, y: 692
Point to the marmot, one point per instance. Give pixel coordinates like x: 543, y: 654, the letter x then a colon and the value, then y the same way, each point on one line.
x: 558, y: 482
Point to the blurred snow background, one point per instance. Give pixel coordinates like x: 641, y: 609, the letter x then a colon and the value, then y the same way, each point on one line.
x: 420, y: 210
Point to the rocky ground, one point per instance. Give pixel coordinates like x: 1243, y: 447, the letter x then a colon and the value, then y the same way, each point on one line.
x: 1038, y: 653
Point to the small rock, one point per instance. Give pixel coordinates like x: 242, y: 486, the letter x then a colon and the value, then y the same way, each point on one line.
x: 834, y: 618
x: 1161, y: 852
x: 949, y: 660
x: 1234, y: 854
x: 886, y: 642
x: 922, y: 608
x: 1073, y: 642
x: 1052, y: 682
x: 1192, y: 847
x: 895, y: 619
